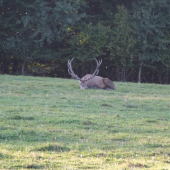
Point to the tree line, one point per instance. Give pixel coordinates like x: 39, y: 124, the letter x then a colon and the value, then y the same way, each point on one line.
x: 132, y: 37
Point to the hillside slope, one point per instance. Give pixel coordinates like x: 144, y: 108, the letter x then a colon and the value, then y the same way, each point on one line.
x: 49, y: 123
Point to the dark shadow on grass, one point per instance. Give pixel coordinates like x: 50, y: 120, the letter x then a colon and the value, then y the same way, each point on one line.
x: 130, y: 106
x: 153, y: 145
x: 87, y: 122
x: 54, y: 148
x: 106, y: 105
x: 17, y: 117
x: 138, y: 165
x: 8, y: 137
x: 24, y: 135
x: 116, y: 131
x: 89, y: 167
x: 151, y: 121
x: 1, y: 155
x: 31, y: 166
x: 119, y: 139
x: 71, y: 121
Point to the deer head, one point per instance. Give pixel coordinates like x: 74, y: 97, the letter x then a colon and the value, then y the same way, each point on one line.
x: 83, y: 81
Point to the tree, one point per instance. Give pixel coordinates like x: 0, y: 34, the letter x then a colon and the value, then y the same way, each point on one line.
x: 122, y: 43
x: 151, y: 20
x: 39, y: 26
x: 90, y: 42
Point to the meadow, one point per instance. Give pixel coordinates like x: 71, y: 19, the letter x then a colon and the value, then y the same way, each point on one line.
x: 49, y: 123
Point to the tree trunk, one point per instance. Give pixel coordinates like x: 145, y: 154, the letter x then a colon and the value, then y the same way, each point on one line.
x: 118, y: 74
x: 15, y: 66
x: 23, y: 68
x: 139, y: 74
x: 1, y: 69
x: 123, y: 74
x: 6, y: 66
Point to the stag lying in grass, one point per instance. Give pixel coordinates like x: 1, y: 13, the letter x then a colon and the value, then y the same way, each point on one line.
x: 92, y: 81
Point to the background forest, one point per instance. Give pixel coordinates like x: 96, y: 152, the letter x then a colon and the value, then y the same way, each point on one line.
x: 37, y: 37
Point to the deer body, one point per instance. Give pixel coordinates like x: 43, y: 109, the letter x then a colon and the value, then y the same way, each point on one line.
x: 96, y: 82
x: 92, y: 81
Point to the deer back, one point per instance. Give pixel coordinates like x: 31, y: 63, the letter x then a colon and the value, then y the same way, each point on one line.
x: 108, y: 83
x: 94, y: 83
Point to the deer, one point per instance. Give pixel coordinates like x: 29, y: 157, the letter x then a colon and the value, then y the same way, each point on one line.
x: 91, y: 81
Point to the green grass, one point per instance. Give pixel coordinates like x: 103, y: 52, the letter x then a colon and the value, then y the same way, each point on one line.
x: 49, y: 123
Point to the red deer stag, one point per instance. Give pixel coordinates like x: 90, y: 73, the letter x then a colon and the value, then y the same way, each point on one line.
x: 92, y: 81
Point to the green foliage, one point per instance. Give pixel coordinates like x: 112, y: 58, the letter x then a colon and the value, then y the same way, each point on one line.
x: 49, y: 123
x: 132, y: 37
x: 54, y: 18
x: 90, y: 42
x: 150, y: 26
x: 122, y: 42
x: 38, y: 27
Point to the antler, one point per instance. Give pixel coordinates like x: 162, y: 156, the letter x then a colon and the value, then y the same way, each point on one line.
x: 70, y: 70
x: 96, y: 71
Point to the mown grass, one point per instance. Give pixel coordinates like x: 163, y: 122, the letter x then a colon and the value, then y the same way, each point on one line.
x: 49, y: 123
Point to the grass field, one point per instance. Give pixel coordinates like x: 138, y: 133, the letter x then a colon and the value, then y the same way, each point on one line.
x: 49, y: 123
